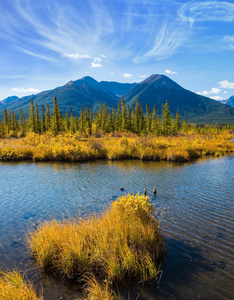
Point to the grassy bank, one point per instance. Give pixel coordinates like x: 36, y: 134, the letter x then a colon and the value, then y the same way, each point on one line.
x: 13, y: 286
x: 124, y: 243
x: 72, y: 148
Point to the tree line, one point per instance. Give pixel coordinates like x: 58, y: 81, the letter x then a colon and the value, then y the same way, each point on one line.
x: 104, y: 121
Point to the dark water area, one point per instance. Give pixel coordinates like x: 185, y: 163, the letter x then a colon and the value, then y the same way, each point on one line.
x: 196, y: 202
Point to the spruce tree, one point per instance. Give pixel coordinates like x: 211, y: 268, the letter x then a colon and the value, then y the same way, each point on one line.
x: 56, y: 118
x: 6, y: 125
x: 37, y: 121
x: 47, y: 118
x: 178, y: 122
x: 123, y: 115
x: 166, y: 119
x: 31, y: 117
x: 43, y: 120
x: 22, y: 122
x: 148, y: 119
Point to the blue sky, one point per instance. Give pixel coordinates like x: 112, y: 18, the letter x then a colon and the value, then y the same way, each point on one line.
x: 46, y: 43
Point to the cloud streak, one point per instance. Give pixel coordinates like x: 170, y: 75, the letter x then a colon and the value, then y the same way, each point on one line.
x: 28, y: 90
x: 147, y: 29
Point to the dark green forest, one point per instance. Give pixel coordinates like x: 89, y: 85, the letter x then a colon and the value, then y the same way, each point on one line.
x: 123, y: 119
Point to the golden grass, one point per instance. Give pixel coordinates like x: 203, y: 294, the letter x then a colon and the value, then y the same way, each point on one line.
x: 13, y: 286
x: 96, y: 290
x: 123, y: 242
x: 71, y: 148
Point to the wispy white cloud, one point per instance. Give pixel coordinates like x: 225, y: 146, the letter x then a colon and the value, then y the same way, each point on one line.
x: 36, y: 55
x: 226, y: 84
x: 218, y: 98
x: 73, y: 30
x: 225, y: 92
x: 112, y: 73
x: 27, y: 90
x: 212, y: 91
x: 127, y: 75
x: 143, y: 76
x: 207, y: 11
x: 95, y: 65
x: 77, y: 55
x: 170, y: 72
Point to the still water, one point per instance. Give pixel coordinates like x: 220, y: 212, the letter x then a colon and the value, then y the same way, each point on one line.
x: 195, y: 201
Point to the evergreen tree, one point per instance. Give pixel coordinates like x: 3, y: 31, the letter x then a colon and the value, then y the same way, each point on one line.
x: 128, y: 118
x: 142, y: 120
x: 31, y: 117
x: 185, y: 126
x: 67, y: 122
x: 123, y: 115
x: 137, y: 117
x: 22, y: 122
x: 87, y: 121
x: 56, y: 118
x: 6, y: 126
x: 47, y: 118
x: 148, y: 119
x: 166, y: 119
x: 37, y: 121
x: 173, y: 126
x: 81, y: 127
x: 178, y: 122
x: 72, y: 123
x: 118, y: 117
x: 43, y: 120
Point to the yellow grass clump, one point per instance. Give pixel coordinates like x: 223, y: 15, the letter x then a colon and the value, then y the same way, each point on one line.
x: 124, y: 242
x: 13, y: 286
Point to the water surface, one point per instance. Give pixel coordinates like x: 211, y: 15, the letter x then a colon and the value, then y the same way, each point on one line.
x: 196, y: 201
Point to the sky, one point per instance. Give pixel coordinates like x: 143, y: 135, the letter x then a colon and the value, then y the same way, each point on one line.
x: 47, y: 43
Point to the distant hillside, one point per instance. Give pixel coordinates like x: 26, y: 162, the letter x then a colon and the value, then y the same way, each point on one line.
x: 8, y: 100
x: 73, y: 95
x: 230, y: 101
x: 156, y: 89
x: 117, y: 88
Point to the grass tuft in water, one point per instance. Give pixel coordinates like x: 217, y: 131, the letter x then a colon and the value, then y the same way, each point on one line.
x: 122, y: 243
x: 13, y: 286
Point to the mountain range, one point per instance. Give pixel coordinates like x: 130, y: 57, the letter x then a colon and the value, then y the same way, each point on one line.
x: 154, y: 90
x: 229, y: 101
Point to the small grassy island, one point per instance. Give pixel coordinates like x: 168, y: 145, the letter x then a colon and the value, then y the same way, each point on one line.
x: 70, y: 147
x: 100, y: 252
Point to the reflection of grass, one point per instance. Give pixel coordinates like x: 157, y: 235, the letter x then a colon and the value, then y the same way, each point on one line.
x: 14, y: 287
x: 123, y: 243
x: 68, y: 148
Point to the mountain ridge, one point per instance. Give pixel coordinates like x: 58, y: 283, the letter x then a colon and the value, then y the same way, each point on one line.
x: 154, y: 90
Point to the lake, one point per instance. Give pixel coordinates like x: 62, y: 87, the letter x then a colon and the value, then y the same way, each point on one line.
x: 195, y: 201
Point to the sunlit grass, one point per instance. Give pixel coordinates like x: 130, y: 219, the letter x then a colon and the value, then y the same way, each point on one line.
x: 13, y: 286
x: 66, y: 147
x: 123, y: 242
